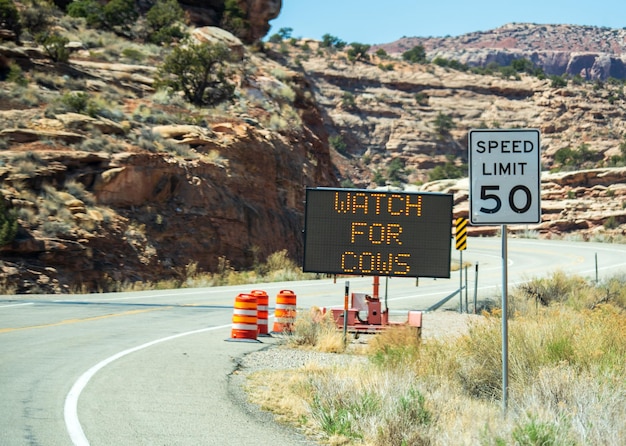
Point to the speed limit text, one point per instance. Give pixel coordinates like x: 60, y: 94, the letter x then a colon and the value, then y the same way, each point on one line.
x: 496, y: 147
x: 505, y: 146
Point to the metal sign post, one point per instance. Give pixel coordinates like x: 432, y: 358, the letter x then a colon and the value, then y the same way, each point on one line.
x: 505, y: 324
x: 505, y: 188
x: 461, y: 245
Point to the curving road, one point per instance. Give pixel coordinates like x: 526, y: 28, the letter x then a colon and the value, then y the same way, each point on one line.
x: 155, y: 367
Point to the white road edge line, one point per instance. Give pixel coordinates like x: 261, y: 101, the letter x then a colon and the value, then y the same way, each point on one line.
x: 70, y: 411
x: 16, y: 305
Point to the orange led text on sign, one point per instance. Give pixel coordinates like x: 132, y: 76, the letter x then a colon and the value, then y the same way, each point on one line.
x: 374, y: 262
x: 368, y: 233
x: 376, y: 233
x: 359, y: 203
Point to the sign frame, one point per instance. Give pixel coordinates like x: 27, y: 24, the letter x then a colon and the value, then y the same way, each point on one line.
x: 504, y: 176
x: 370, y: 232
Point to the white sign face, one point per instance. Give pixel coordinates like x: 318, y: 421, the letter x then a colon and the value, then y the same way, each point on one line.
x: 505, y: 176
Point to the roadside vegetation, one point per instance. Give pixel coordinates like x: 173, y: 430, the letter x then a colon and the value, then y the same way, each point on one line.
x: 567, y: 376
x: 278, y: 267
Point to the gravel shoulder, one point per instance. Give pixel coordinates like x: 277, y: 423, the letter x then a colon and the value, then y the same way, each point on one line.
x: 435, y: 325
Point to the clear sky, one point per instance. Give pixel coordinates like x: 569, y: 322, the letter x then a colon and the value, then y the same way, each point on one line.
x: 383, y: 21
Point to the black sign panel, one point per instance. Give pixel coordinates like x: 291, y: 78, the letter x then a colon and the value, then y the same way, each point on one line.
x: 377, y: 233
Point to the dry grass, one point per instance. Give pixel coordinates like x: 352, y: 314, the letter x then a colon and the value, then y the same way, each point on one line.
x: 318, y: 331
x: 567, y: 378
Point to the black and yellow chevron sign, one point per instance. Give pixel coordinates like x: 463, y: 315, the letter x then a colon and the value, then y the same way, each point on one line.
x: 461, y: 234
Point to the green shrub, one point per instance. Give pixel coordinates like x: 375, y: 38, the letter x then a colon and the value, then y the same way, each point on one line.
x: 535, y: 433
x: 234, y: 18
x: 117, y: 15
x: 16, y: 75
x: 611, y: 223
x: 395, y: 171
x: 576, y: 158
x: 330, y: 41
x: 120, y: 15
x: 358, y: 51
x: 133, y: 54
x: 380, y: 52
x: 417, y: 54
x: 37, y: 17
x: 164, y: 22
x: 75, y: 102
x: 90, y: 10
x: 282, y: 34
x: 55, y: 46
x: 8, y: 224
x: 558, y: 82
x: 199, y: 70
x: 10, y: 18
x: 443, y: 124
x: 337, y: 143
x: 348, y: 101
x: 447, y: 171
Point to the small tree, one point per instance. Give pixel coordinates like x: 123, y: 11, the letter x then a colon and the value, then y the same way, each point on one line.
x: 358, y: 51
x: 285, y: 33
x: 329, y: 41
x: 55, y: 46
x: 199, y: 70
x: 417, y: 54
x: 282, y: 34
x: 395, y: 171
x: 380, y: 52
x: 443, y: 124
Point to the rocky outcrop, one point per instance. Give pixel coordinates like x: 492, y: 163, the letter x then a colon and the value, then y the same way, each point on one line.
x: 590, y: 52
x: 258, y: 13
x: 589, y: 203
x: 103, y: 203
x: 380, y: 115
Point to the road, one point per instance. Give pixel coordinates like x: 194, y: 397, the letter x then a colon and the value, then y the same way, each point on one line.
x: 155, y: 367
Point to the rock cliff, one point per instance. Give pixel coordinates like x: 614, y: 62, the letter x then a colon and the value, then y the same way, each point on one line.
x: 139, y: 186
x: 587, y: 51
x: 157, y: 186
x: 257, y: 14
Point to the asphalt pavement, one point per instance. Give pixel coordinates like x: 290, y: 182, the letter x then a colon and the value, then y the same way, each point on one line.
x: 180, y: 392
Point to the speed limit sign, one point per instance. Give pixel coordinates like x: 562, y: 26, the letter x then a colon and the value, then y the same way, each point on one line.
x: 505, y: 176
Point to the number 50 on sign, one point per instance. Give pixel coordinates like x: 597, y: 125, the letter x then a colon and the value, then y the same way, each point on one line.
x: 505, y: 176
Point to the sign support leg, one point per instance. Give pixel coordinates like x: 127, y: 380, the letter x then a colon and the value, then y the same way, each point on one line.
x: 466, y: 304
x: 345, y: 313
x: 505, y: 320
x: 475, y: 287
x: 460, y: 281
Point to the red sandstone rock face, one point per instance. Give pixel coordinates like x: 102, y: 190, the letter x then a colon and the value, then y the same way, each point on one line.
x: 258, y: 14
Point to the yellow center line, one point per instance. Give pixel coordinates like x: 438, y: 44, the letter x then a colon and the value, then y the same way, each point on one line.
x: 87, y: 319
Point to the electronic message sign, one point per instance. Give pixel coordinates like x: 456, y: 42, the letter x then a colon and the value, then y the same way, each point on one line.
x: 377, y: 233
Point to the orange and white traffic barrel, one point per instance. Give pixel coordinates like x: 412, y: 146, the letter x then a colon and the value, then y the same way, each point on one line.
x: 245, y: 317
x: 285, y: 312
x: 262, y: 301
